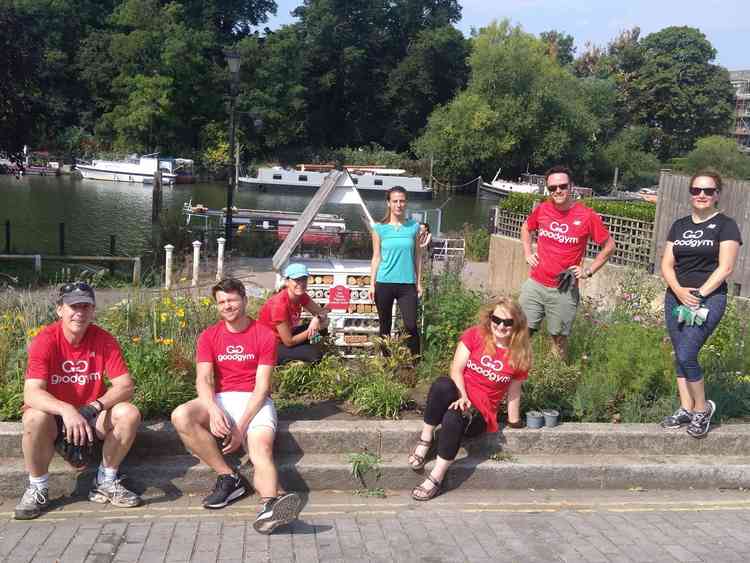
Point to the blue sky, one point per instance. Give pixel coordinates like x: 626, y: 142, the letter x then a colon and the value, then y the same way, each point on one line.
x: 726, y: 23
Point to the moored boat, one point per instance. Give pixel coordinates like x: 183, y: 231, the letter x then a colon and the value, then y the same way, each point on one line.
x: 365, y: 178
x: 138, y: 169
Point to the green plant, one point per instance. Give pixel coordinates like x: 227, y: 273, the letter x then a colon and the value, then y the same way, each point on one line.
x: 477, y: 241
x: 551, y: 384
x: 330, y: 378
x: 379, y: 396
x: 366, y: 465
x: 503, y: 457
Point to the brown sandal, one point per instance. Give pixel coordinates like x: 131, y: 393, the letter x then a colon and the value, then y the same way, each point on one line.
x: 427, y: 494
x: 420, y: 460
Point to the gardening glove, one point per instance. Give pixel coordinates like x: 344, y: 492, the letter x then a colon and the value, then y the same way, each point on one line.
x: 565, y: 279
x: 690, y: 316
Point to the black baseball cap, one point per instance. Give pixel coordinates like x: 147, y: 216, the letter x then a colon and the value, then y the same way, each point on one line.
x: 77, y: 292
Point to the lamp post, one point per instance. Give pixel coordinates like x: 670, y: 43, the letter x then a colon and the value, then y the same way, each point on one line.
x: 233, y: 61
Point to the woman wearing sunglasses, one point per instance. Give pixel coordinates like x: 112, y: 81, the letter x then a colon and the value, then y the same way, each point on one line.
x: 492, y: 359
x: 699, y: 256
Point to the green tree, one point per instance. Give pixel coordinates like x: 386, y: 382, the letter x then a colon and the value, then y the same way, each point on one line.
x: 560, y: 46
x: 678, y: 92
x: 531, y: 111
x: 628, y: 153
x: 720, y: 153
x: 433, y: 70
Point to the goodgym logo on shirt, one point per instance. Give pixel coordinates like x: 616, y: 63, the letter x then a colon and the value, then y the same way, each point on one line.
x: 489, y: 368
x: 75, y: 372
x: 558, y: 231
x: 693, y: 239
x: 236, y: 354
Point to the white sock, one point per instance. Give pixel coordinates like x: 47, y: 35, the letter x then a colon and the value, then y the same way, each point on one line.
x: 41, y: 482
x: 106, y: 474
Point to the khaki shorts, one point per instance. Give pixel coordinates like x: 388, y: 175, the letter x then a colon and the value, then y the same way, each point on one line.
x: 539, y: 301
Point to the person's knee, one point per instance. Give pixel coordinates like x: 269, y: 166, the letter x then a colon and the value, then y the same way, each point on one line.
x: 260, y: 445
x: 125, y: 416
x: 453, y: 422
x: 181, y: 418
x: 36, y: 421
x: 442, y: 386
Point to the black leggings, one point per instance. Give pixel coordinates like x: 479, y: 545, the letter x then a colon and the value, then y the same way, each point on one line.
x: 304, y: 351
x: 454, y: 424
x: 406, y: 295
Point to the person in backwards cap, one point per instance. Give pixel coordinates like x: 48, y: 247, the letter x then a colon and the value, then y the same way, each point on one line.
x: 67, y: 405
x: 281, y: 313
x: 563, y: 228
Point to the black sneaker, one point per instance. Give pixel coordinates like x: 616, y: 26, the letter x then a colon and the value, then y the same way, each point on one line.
x: 227, y: 489
x: 701, y: 421
x: 680, y: 417
x: 33, y: 501
x: 276, y: 512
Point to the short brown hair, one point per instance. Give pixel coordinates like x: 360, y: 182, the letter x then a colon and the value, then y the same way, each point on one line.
x: 708, y: 173
x: 229, y: 285
x: 558, y: 169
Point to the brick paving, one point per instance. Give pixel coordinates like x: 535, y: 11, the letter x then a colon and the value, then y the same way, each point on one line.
x: 478, y: 526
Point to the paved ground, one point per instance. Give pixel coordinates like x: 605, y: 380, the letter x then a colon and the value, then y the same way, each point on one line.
x: 458, y: 526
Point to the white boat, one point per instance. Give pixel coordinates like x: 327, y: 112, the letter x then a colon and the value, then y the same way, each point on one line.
x: 134, y: 169
x: 366, y: 178
x: 526, y: 184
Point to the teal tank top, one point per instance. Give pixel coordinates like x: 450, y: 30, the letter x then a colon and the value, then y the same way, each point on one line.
x: 397, y: 252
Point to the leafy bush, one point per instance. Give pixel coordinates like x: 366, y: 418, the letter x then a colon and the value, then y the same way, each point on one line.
x: 551, y: 385
x: 642, y: 211
x: 380, y: 396
x: 161, y: 384
x: 450, y: 308
x: 331, y: 378
x: 477, y: 242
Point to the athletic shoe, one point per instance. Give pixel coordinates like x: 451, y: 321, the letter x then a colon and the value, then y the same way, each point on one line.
x: 33, y: 501
x: 227, y: 489
x: 701, y: 421
x: 276, y: 512
x: 115, y: 493
x: 680, y: 417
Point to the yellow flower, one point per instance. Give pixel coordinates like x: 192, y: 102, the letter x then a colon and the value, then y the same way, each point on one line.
x: 205, y: 301
x: 158, y: 339
x: 136, y: 339
x: 180, y: 312
x: 183, y: 324
x: 183, y: 279
x: 34, y: 331
x: 164, y: 317
x: 167, y: 341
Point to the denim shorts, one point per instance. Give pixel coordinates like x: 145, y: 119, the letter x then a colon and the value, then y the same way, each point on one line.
x: 687, y: 341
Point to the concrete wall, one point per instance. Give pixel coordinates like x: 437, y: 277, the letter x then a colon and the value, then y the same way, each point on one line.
x: 508, y: 271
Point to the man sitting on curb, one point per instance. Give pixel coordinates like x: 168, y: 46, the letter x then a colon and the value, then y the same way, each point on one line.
x: 66, y: 404
x: 234, y: 361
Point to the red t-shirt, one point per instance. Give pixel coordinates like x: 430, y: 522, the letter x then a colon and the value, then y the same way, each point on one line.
x: 280, y: 308
x: 562, y: 237
x: 487, y: 378
x: 236, y: 355
x: 75, y: 374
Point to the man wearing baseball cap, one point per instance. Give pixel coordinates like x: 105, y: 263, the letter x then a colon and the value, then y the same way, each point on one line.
x: 67, y: 405
x: 281, y: 313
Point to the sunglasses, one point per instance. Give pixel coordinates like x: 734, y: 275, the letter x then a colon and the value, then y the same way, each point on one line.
x: 561, y: 187
x: 708, y: 191
x: 68, y: 287
x: 303, y: 279
x: 499, y: 321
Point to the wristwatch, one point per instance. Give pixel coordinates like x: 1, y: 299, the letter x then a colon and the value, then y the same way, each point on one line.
x: 587, y: 273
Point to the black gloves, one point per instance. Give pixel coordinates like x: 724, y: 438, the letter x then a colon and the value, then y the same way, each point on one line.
x: 565, y: 279
x: 77, y: 456
x: 89, y: 412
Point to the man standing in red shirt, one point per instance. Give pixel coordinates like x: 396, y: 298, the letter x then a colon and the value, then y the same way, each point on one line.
x: 234, y: 362
x: 66, y: 403
x: 563, y: 227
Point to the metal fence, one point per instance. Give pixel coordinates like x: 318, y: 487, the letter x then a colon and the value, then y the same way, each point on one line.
x: 633, y: 238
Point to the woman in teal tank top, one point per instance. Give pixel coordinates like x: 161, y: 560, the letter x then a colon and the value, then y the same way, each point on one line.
x: 396, y: 267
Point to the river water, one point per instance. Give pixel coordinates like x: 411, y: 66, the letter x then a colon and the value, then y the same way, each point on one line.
x: 93, y: 210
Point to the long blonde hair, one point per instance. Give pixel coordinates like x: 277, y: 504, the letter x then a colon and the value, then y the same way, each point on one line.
x: 520, y: 344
